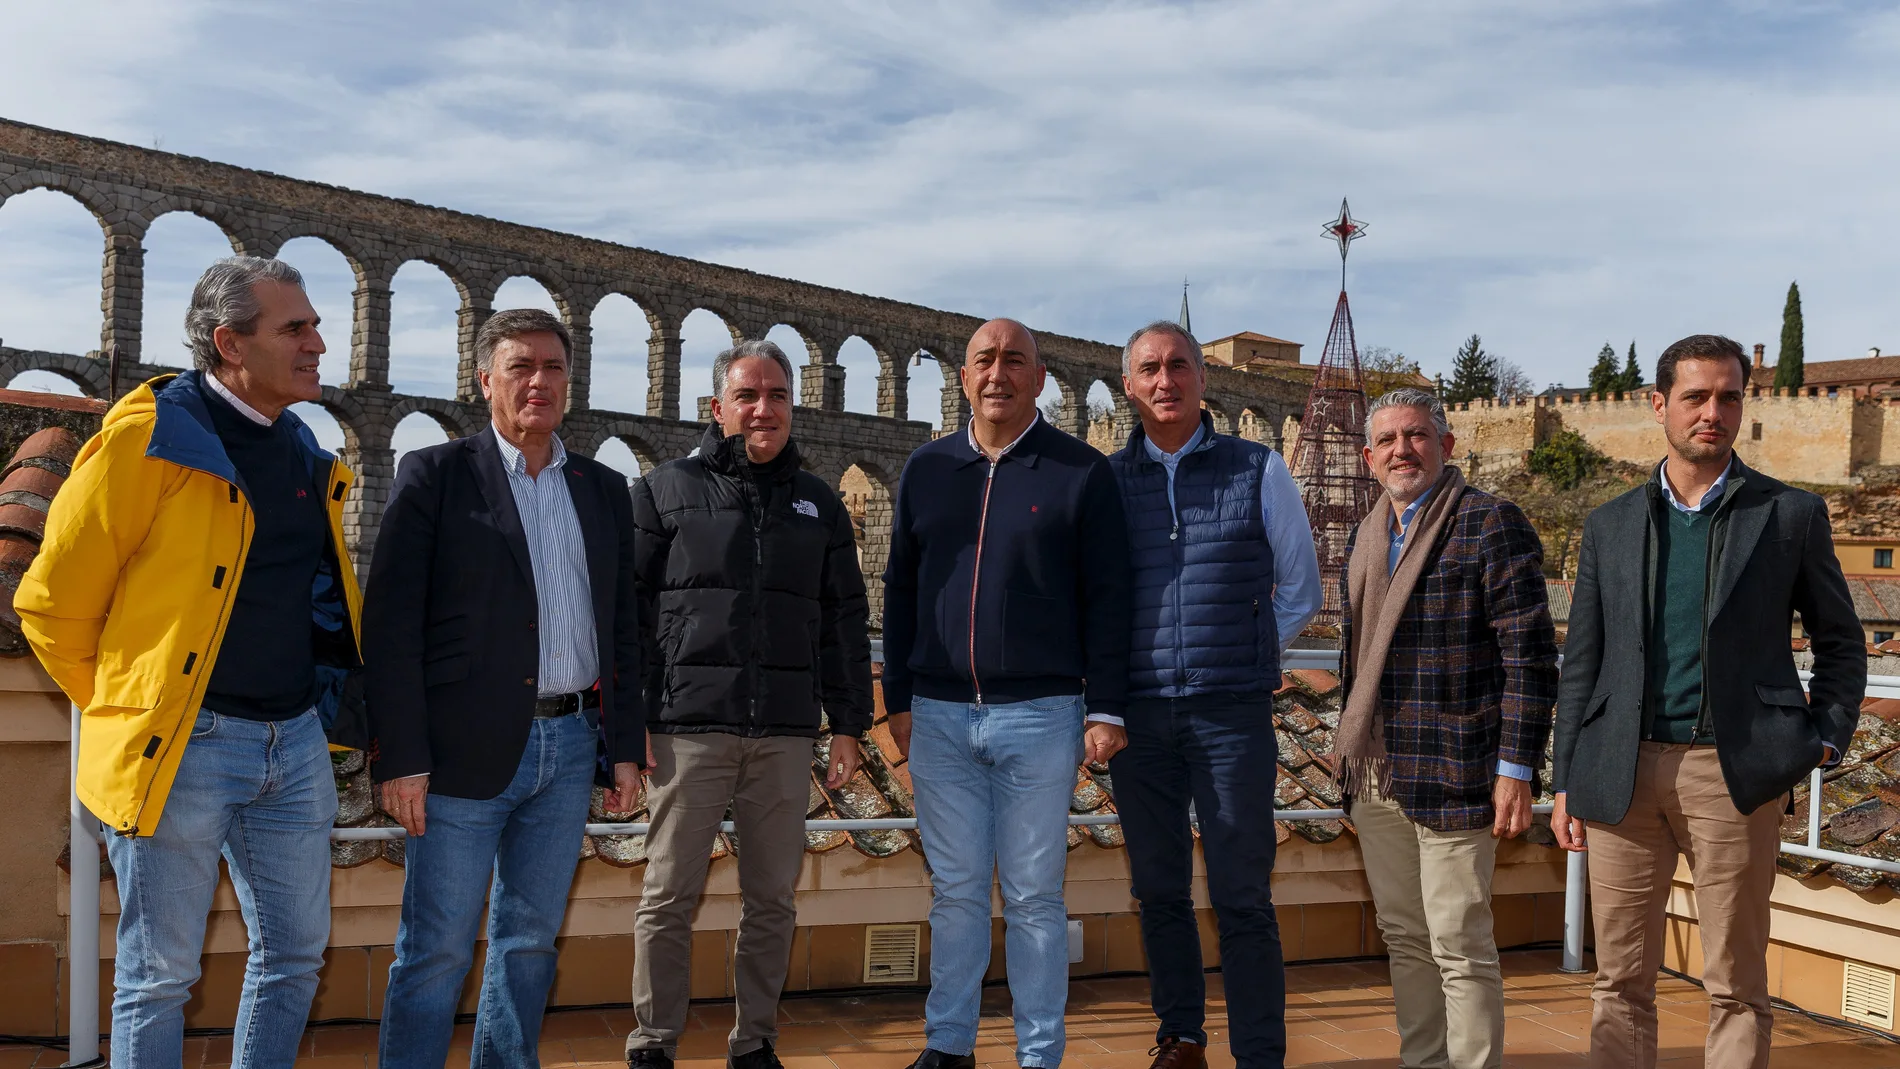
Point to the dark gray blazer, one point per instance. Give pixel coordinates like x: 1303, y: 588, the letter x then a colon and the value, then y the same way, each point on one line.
x: 1774, y: 557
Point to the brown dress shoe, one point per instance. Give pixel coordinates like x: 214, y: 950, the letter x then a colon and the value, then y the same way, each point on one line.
x: 1172, y: 1053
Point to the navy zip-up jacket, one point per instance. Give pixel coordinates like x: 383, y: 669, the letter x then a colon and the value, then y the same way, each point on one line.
x: 1018, y: 569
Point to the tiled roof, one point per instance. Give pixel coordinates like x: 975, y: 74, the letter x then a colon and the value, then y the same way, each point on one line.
x: 27, y: 486
x: 1860, y: 803
x: 1876, y: 598
x: 1306, y: 713
x: 1846, y: 372
x: 1557, y: 592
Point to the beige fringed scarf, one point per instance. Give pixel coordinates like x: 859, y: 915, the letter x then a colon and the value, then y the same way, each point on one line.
x: 1377, y: 600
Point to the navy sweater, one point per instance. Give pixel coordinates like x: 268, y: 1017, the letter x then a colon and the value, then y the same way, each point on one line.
x: 266, y: 667
x: 1052, y: 591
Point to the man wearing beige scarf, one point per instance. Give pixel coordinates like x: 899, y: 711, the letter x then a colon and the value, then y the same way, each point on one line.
x: 1451, y: 673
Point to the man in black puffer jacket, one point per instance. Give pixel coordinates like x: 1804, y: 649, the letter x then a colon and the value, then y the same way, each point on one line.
x: 748, y: 575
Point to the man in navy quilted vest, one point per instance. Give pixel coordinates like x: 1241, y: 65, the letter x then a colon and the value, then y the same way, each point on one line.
x: 1225, y: 577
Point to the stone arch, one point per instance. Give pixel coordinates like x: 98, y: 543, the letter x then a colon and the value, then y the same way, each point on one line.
x: 1109, y: 431
x: 456, y: 420
x: 81, y: 191
x: 620, y: 385
x: 953, y: 408
x: 630, y: 432
x: 1218, y: 408
x: 699, y: 344
x: 337, y: 238
x: 557, y: 288
x: 86, y: 373
x: 235, y: 226
x: 870, y: 496
x: 457, y: 271
x: 1256, y: 425
x: 51, y: 256
x: 1069, y: 415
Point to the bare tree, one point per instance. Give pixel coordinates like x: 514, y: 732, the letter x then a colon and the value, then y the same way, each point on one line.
x: 1513, y: 383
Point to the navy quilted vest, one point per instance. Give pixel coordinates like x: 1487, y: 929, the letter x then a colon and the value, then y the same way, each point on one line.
x: 1203, y: 620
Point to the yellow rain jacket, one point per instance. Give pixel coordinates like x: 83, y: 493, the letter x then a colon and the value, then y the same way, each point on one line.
x: 127, y: 602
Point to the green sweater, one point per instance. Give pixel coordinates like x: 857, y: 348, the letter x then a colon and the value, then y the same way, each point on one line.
x: 1676, y: 626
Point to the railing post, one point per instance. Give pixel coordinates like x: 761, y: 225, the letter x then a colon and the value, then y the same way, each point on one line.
x: 1576, y: 893
x: 1814, y: 810
x: 82, y: 927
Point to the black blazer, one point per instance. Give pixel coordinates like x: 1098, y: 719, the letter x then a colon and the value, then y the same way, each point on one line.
x: 1774, y: 558
x: 450, y: 616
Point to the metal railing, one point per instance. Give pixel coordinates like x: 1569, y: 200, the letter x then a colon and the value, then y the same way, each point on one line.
x: 83, y: 903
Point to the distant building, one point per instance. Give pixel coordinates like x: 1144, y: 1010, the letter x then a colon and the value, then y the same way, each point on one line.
x: 1246, y: 349
x: 1872, y: 375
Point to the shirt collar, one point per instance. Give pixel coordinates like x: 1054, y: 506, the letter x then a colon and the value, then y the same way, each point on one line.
x: 1165, y: 457
x: 969, y: 431
x: 516, y: 461
x: 1714, y: 493
x: 1411, y: 510
x: 231, y: 399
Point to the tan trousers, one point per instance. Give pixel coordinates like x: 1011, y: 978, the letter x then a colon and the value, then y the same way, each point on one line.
x: 1681, y: 805
x: 1433, y: 893
x: 767, y: 783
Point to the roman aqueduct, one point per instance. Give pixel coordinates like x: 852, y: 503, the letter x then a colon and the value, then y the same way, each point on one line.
x: 127, y: 187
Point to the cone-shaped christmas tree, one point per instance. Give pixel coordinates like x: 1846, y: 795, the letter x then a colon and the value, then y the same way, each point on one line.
x: 1327, y: 462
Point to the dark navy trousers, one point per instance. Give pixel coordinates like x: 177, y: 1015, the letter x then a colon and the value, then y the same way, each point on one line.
x: 1219, y: 753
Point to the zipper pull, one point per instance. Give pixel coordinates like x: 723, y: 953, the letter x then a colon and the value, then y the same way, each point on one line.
x: 1175, y: 533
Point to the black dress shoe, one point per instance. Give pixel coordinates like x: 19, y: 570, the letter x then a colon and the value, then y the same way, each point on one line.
x: 763, y: 1058
x: 936, y: 1059
x: 649, y: 1059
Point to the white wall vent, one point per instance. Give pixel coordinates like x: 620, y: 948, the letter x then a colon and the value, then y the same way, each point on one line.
x: 891, y: 952
x: 1867, y: 995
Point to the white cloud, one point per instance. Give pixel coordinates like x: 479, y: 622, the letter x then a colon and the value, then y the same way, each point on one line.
x: 1548, y: 176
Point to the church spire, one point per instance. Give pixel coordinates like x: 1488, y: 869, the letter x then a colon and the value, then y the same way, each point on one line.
x: 1184, y: 321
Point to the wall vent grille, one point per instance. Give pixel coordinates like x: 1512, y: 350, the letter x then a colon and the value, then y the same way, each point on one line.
x: 891, y: 953
x: 1867, y: 995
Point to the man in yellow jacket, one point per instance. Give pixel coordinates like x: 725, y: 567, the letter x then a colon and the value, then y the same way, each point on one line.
x: 193, y: 599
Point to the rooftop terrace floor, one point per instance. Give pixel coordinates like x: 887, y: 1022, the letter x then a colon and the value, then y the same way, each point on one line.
x: 1337, y: 1015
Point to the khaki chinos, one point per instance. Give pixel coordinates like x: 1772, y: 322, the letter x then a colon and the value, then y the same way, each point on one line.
x: 767, y: 783
x: 1432, y: 890
x: 1681, y: 806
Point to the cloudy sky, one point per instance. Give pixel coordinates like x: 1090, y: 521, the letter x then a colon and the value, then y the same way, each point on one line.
x: 1551, y: 176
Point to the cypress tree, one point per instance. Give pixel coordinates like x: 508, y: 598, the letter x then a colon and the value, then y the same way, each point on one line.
x: 1632, y: 377
x: 1474, y: 373
x: 1603, y: 375
x: 1789, y: 371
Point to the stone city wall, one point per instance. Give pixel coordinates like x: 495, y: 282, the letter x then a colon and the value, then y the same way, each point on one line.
x: 1798, y: 437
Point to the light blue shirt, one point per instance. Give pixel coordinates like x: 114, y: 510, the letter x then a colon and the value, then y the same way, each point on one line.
x: 570, y: 653
x: 1714, y: 493
x: 1296, y: 581
x: 1395, y: 550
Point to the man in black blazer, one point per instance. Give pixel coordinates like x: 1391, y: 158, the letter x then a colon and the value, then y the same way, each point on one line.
x: 502, y: 641
x: 1681, y: 723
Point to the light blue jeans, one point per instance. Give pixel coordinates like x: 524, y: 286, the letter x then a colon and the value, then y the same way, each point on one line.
x: 993, y: 785
x: 263, y: 796
x: 517, y: 851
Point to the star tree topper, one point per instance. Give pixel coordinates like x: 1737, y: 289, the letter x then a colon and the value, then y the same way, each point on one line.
x: 1344, y: 229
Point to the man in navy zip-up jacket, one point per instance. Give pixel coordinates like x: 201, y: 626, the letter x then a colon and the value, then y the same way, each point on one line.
x: 1006, y: 611
x: 1225, y: 577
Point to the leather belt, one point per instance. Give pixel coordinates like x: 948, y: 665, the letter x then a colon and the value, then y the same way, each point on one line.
x: 565, y: 704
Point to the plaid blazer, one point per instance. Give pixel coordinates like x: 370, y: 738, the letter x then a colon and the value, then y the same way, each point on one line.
x: 1472, y: 674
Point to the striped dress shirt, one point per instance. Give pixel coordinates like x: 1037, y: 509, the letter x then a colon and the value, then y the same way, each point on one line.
x: 570, y: 654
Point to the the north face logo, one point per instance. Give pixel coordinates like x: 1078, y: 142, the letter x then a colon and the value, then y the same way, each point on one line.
x: 809, y: 508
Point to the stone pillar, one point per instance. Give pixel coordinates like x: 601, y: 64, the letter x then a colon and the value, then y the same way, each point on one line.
x: 822, y: 386
x: 663, y: 369
x: 122, y: 295
x: 475, y: 310
x: 1075, y: 409
x: 369, y: 334
x: 580, y: 366
x: 874, y: 546
x: 368, y: 452
x: 893, y: 386
x: 954, y: 406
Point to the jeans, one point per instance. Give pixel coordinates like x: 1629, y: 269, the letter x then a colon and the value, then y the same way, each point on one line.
x: 993, y: 785
x: 526, y: 843
x: 1218, y: 753
x: 263, y: 796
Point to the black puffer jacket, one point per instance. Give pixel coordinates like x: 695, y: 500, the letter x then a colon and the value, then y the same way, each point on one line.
x: 748, y: 577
